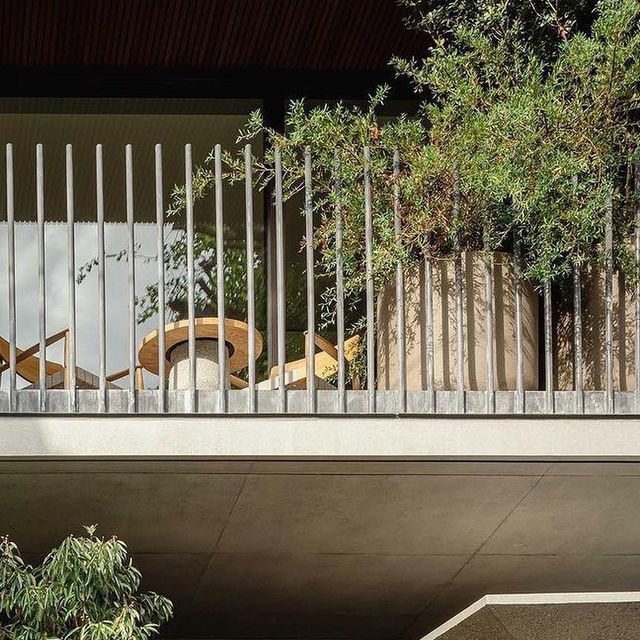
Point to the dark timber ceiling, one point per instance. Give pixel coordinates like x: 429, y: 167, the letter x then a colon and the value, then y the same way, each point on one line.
x: 208, y: 36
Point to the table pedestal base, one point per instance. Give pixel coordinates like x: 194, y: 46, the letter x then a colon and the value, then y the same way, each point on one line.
x: 207, y: 367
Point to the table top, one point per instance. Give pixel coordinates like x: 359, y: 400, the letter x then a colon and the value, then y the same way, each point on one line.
x: 236, y: 335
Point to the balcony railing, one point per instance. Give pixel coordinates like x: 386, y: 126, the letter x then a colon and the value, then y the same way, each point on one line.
x: 459, y: 337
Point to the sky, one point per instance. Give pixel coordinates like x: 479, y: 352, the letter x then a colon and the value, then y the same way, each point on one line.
x: 112, y: 123
x: 116, y: 286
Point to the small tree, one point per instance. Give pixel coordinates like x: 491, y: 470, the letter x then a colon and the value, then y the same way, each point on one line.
x: 87, y: 588
x: 537, y: 105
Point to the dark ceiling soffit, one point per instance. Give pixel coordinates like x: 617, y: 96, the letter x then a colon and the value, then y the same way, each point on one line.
x: 204, y: 35
x: 229, y: 84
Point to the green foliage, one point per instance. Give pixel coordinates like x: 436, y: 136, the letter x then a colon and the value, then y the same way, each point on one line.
x: 85, y: 589
x: 541, y: 142
x: 337, y: 136
x: 539, y: 24
x: 205, y: 272
x: 529, y: 127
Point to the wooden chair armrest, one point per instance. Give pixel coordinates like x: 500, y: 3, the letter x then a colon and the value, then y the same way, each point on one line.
x: 138, y: 379
x: 238, y: 382
x: 116, y: 375
x: 332, y: 351
x: 325, y: 345
x: 33, y: 349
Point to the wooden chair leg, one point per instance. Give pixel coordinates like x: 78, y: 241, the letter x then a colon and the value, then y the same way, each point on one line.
x: 65, y: 361
x: 139, y: 378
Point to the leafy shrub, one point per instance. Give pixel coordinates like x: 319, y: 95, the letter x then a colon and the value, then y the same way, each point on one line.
x: 87, y: 588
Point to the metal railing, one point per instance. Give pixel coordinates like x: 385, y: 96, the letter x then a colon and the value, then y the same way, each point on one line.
x: 434, y: 395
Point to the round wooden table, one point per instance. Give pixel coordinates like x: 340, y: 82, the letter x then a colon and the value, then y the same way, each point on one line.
x: 177, y: 336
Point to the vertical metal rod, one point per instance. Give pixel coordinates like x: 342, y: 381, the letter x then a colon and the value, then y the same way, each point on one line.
x: 191, y: 303
x: 608, y: 242
x: 578, y: 370
x: 42, y: 289
x: 102, y: 321
x: 342, y: 395
x: 131, y: 256
x: 368, y: 237
x: 458, y: 302
x: 548, y: 349
x: 400, y: 313
x: 11, y: 271
x: 161, y: 280
x: 222, y: 342
x: 70, y: 369
x: 311, y: 315
x: 636, y: 191
x: 251, y: 294
x: 488, y: 309
x: 459, y: 332
x: 517, y: 290
x: 280, y: 285
x: 270, y: 280
x: 428, y: 297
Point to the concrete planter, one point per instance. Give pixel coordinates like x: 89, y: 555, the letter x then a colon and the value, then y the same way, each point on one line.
x: 593, y: 336
x: 445, y: 329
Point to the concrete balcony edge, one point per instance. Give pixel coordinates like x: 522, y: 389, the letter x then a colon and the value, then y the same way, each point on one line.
x: 346, y: 437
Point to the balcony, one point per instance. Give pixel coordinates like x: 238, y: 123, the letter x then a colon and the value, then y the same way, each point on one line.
x: 109, y: 293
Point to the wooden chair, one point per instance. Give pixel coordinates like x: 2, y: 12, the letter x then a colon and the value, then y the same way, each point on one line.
x: 27, y: 364
x: 239, y: 383
x: 57, y: 374
x: 326, y: 365
x: 138, y: 376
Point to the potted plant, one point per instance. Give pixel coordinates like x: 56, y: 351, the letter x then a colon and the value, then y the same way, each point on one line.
x: 537, y: 107
x: 526, y: 132
x: 597, y: 77
x: 428, y: 191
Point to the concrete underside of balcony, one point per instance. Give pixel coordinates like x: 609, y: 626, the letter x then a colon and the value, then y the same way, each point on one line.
x: 333, y: 528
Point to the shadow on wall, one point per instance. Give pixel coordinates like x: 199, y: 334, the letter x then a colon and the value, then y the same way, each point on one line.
x: 594, y: 336
x: 444, y: 327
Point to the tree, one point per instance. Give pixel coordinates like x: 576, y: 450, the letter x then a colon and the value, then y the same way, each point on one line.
x: 539, y: 24
x: 541, y: 123
x: 86, y: 588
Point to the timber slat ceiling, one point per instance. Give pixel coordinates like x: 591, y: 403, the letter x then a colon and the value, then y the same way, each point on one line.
x: 203, y: 35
